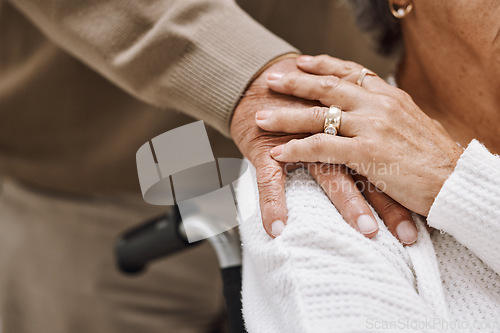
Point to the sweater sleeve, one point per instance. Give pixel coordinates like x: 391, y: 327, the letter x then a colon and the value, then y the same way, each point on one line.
x: 468, y: 205
x: 195, y: 56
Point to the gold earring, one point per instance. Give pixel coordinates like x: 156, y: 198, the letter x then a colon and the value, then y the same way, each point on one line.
x: 400, y: 12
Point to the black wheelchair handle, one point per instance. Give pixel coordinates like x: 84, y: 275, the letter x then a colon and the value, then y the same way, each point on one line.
x: 159, y: 237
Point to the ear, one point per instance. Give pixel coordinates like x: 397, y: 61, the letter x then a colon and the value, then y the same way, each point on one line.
x: 400, y: 8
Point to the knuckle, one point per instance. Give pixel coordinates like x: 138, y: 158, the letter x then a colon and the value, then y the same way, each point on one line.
x: 318, y: 114
x: 403, y: 96
x: 350, y: 201
x: 268, y: 199
x: 294, y: 149
x: 317, y: 142
x: 291, y: 146
x: 260, y: 157
x: 389, y: 206
x: 377, y: 123
x: 394, y: 211
x: 329, y: 83
x: 349, y: 67
x: 322, y: 59
x: 390, y: 103
x: 290, y: 82
x: 267, y: 175
x: 369, y: 147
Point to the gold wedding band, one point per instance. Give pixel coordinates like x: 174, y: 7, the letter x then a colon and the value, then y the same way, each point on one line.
x: 364, y: 72
x: 332, y: 120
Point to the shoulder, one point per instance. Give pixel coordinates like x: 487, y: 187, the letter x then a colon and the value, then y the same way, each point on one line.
x: 319, y: 267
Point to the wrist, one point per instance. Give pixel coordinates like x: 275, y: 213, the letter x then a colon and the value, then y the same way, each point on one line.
x: 291, y: 55
x: 443, y: 173
x: 258, y: 85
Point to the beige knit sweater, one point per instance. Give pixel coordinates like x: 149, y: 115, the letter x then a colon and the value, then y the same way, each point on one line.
x: 83, y: 84
x: 63, y: 126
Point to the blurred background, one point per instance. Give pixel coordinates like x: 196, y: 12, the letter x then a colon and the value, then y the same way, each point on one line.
x: 304, y: 28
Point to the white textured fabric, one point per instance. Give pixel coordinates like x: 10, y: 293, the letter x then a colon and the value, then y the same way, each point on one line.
x: 321, y: 275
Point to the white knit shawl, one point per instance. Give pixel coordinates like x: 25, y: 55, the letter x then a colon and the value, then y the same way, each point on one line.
x: 321, y: 275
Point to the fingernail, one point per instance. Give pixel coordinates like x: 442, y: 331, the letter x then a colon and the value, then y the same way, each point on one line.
x: 367, y: 224
x: 276, y: 151
x: 274, y: 76
x: 407, y: 232
x: 277, y: 228
x: 262, y: 115
x: 304, y: 59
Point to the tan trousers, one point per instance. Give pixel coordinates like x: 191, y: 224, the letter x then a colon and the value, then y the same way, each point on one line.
x: 57, y: 271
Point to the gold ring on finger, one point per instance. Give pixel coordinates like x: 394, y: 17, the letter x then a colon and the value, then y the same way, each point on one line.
x: 332, y: 120
x: 364, y: 72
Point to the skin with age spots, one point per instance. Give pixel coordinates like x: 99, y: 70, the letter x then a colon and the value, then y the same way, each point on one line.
x: 451, y: 68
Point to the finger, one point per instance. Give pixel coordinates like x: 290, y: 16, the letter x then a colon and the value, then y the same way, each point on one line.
x: 319, y: 148
x: 396, y: 217
x: 340, y: 187
x: 310, y: 120
x: 289, y: 167
x: 346, y: 70
x: 271, y: 186
x: 329, y: 90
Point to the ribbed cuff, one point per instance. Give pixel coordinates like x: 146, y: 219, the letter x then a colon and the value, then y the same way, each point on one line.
x: 225, y: 54
x: 473, y: 188
x: 468, y: 205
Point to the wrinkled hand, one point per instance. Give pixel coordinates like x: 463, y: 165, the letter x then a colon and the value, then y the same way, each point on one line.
x: 338, y: 184
x: 383, y: 135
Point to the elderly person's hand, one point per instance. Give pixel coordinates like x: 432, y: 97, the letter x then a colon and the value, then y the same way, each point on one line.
x: 338, y: 184
x: 383, y: 134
